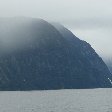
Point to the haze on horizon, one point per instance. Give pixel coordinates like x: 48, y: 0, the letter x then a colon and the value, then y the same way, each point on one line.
x: 89, y: 20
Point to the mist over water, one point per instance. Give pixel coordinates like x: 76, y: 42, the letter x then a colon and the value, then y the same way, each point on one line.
x: 55, y: 66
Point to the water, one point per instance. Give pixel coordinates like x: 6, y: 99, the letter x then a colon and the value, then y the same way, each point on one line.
x: 92, y: 100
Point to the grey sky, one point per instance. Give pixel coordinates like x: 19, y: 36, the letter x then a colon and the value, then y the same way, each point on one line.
x: 90, y: 20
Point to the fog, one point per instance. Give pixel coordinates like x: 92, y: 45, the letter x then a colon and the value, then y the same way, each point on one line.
x: 90, y: 20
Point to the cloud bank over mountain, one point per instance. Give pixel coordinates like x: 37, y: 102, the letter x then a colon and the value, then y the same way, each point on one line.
x: 90, y: 20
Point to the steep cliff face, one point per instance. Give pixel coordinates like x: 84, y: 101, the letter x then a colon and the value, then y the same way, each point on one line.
x: 36, y: 55
x: 86, y: 52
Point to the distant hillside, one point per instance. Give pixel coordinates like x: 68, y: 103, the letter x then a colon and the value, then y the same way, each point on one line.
x: 109, y: 64
x: 35, y: 55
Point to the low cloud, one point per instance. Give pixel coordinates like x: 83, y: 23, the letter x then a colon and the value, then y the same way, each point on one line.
x: 88, y: 19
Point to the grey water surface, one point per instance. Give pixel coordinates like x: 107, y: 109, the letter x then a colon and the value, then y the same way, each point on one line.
x: 78, y: 100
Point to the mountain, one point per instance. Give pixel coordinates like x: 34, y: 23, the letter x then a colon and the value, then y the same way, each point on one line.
x: 37, y: 55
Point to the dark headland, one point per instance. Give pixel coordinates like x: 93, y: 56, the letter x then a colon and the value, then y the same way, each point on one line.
x: 37, y: 55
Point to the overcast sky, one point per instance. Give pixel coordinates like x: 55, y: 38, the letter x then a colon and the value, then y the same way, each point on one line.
x: 90, y: 20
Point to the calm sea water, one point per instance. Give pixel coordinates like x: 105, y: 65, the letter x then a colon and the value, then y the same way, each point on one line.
x: 92, y: 100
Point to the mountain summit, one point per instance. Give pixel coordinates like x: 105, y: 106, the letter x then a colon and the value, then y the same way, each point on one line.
x: 37, y: 55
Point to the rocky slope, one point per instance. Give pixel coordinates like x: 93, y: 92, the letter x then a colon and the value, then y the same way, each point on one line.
x: 35, y: 55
